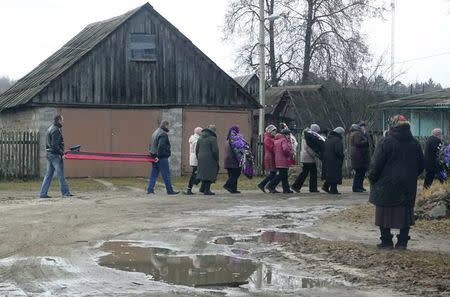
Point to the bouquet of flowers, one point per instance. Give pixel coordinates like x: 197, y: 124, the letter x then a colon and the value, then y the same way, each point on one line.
x: 444, y: 160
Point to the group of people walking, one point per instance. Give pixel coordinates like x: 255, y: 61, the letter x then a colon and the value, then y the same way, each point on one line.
x: 203, y: 158
x: 395, y: 165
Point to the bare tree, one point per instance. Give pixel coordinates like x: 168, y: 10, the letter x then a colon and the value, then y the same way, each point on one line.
x: 320, y: 36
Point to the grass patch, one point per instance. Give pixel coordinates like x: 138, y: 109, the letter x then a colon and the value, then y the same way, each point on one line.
x: 75, y: 185
x: 399, y: 269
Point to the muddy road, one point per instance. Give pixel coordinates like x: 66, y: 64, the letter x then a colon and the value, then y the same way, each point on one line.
x: 127, y: 243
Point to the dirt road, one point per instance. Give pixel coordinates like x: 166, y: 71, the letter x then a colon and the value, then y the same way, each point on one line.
x: 52, y: 247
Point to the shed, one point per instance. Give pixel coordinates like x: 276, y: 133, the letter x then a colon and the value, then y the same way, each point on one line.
x: 424, y: 111
x: 115, y: 82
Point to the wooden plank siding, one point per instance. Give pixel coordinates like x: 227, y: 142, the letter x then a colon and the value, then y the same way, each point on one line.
x: 181, y: 74
x: 19, y: 155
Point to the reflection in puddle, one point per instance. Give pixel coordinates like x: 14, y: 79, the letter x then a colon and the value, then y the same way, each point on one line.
x: 204, y: 270
x: 265, y: 237
x: 192, y: 270
x: 267, y: 277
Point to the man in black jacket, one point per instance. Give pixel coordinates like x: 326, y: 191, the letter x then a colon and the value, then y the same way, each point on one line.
x: 55, y: 157
x: 160, y: 148
x: 431, y: 157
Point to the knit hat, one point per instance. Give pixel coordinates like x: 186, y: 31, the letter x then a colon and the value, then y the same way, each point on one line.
x: 198, y: 130
x: 398, y: 120
x: 437, y: 132
x: 211, y: 127
x: 339, y: 130
x: 315, y: 128
x: 355, y: 127
x: 271, y: 128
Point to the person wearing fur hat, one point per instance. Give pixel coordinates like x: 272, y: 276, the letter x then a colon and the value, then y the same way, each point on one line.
x: 333, y: 158
x: 193, y: 162
x: 283, y: 153
x: 269, y: 156
x: 308, y: 158
x: 359, y: 155
x: 432, y: 166
x: 395, y: 166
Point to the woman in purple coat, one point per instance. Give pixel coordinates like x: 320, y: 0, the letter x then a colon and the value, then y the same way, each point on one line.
x: 238, y: 157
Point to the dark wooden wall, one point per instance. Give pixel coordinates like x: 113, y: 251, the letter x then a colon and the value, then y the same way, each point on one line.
x: 182, y: 75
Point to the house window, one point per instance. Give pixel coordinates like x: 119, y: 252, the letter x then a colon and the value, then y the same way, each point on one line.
x: 142, y: 47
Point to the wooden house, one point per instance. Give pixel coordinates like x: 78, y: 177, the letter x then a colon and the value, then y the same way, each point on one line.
x: 424, y: 111
x: 115, y: 82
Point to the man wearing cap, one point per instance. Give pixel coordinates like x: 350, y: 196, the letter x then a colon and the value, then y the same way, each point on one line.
x: 431, y: 157
x: 359, y: 155
x: 308, y: 158
x: 333, y: 158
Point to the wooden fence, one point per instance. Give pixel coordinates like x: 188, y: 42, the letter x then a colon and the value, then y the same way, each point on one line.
x: 19, y: 155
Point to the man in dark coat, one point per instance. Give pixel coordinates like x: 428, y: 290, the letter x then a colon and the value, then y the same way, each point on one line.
x: 55, y: 159
x: 431, y: 157
x: 394, y: 169
x: 207, y: 152
x: 359, y: 155
x: 333, y: 158
x: 160, y: 148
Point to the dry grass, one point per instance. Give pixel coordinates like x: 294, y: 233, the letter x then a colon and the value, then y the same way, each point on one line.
x: 75, y: 184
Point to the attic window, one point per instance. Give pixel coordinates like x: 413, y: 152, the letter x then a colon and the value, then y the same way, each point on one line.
x: 142, y: 47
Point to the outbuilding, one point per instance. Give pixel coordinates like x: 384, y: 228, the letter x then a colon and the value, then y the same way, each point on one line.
x: 115, y: 82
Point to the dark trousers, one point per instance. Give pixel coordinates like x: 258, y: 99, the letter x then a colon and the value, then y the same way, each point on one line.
x: 233, y: 175
x: 205, y: 187
x: 386, y: 233
x: 358, y: 179
x: 193, y: 179
x: 268, y: 178
x: 429, y: 177
x: 283, y: 177
x: 311, y: 169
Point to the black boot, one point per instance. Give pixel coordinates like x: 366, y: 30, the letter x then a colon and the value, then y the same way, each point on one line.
x: 202, y: 187
x: 386, y: 239
x: 402, y: 239
x: 333, y: 189
x: 208, y: 189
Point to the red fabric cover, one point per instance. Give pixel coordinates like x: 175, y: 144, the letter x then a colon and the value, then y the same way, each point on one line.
x: 283, y: 151
x: 104, y: 156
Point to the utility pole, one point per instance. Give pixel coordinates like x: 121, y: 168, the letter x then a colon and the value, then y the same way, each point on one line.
x: 262, y: 71
x: 392, y: 41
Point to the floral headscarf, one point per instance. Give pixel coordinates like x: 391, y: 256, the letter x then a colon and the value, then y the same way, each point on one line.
x: 241, y: 150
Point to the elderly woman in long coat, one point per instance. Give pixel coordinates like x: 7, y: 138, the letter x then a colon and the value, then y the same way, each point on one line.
x: 333, y: 158
x: 269, y: 156
x: 394, y: 169
x: 207, y: 152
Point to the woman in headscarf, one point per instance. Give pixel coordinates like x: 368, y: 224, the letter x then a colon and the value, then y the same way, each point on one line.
x: 193, y: 162
x: 238, y: 157
x: 394, y: 169
x: 269, y: 156
x: 432, y: 166
x: 283, y: 153
x: 207, y: 152
x: 333, y: 157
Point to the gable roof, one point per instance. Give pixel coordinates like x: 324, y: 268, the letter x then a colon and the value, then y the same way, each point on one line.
x: 84, y: 42
x: 244, y: 79
x: 435, y: 99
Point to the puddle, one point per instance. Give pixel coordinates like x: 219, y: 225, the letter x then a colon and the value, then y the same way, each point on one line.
x: 211, y: 271
x: 267, y: 237
x: 164, y: 265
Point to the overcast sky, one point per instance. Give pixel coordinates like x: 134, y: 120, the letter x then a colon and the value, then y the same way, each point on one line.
x: 31, y: 30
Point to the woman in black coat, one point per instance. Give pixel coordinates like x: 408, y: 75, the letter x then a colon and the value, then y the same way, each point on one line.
x: 333, y: 157
x: 395, y: 167
x: 207, y: 152
x: 431, y: 157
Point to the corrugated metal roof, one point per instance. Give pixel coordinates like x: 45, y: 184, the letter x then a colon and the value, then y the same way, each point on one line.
x: 243, y: 80
x: 32, y: 83
x: 436, y: 99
